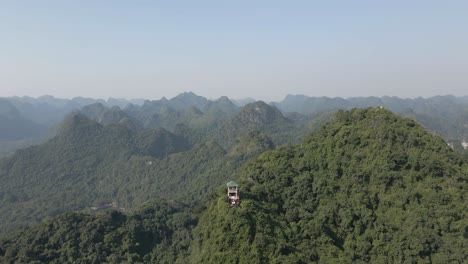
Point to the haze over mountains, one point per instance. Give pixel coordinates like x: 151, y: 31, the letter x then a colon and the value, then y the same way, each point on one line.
x: 27, y: 120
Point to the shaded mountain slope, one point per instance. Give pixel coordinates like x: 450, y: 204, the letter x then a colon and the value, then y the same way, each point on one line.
x: 14, y: 126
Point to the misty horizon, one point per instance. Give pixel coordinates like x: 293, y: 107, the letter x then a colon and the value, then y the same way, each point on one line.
x: 262, y: 50
x: 217, y: 98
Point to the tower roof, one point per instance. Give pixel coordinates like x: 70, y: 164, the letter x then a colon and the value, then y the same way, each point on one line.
x: 232, y: 184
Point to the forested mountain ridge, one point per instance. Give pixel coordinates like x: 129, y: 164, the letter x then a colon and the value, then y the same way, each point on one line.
x: 220, y: 120
x: 367, y: 187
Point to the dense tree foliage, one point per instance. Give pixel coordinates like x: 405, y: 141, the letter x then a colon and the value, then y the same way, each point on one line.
x: 369, y: 187
x: 159, y: 232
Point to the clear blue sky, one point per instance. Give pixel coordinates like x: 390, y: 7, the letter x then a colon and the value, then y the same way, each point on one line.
x: 260, y: 49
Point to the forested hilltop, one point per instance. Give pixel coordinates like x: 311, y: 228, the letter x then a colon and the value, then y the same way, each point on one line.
x: 367, y: 187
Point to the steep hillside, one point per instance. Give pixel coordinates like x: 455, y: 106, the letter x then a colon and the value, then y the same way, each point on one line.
x: 370, y: 187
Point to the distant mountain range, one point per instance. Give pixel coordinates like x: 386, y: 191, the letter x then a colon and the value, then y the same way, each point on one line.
x: 27, y: 120
x: 443, y: 115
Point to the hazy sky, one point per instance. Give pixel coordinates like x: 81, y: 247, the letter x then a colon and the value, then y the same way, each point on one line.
x: 261, y: 49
